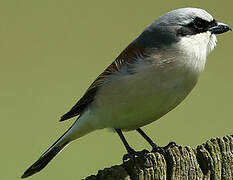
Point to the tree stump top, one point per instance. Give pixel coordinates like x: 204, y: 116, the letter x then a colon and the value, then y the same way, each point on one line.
x: 211, y: 160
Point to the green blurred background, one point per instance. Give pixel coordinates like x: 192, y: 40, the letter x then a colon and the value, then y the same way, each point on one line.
x: 50, y: 52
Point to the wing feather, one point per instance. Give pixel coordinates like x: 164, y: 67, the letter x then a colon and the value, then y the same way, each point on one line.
x: 128, y: 56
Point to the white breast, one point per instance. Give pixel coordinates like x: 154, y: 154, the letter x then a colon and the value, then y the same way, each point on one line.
x: 129, y: 101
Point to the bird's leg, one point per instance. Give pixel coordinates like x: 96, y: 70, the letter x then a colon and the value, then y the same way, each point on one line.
x: 155, y: 147
x: 147, y: 138
x: 126, y: 144
x: 131, y: 152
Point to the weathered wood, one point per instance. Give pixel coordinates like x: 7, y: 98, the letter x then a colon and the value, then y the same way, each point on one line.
x: 212, y: 160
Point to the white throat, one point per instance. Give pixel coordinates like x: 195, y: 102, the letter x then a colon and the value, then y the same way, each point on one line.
x: 196, y: 48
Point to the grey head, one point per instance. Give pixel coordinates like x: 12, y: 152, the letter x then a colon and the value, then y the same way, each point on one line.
x: 174, y: 25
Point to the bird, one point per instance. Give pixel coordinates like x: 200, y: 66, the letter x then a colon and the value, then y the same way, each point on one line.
x: 149, y: 78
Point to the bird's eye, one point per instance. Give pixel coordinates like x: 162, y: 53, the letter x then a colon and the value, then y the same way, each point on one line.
x: 199, y: 23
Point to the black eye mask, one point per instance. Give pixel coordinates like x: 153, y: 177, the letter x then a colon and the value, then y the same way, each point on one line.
x: 197, y: 26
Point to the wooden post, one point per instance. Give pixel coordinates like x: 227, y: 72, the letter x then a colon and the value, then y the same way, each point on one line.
x: 212, y: 160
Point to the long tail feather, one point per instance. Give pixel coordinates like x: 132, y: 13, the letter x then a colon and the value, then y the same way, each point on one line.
x: 77, y: 130
x: 46, y: 157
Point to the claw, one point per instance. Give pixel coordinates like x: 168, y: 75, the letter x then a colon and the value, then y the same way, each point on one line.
x: 126, y: 157
x: 158, y: 149
x: 171, y: 145
x: 133, y: 154
x: 162, y: 150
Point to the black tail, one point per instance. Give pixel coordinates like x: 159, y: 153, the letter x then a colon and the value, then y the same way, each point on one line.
x: 44, y: 159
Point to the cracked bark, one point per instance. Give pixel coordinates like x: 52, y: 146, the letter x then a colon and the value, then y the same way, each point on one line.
x: 212, y: 160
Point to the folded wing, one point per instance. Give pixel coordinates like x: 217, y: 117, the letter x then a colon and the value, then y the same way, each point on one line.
x: 128, y: 56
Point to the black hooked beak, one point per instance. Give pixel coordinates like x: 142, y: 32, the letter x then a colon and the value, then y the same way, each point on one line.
x: 219, y: 28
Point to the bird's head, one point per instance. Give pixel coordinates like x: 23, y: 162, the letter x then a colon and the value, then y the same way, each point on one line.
x: 191, y: 30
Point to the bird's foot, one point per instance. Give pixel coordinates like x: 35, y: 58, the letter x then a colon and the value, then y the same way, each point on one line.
x: 132, y: 154
x: 162, y: 150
